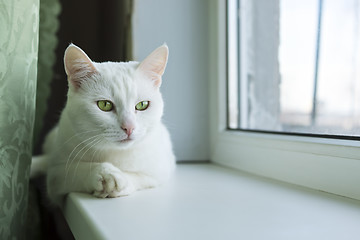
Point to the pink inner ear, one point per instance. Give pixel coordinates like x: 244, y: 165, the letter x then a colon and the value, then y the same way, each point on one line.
x: 156, y: 78
x: 78, y: 65
x: 154, y: 65
x: 80, y: 74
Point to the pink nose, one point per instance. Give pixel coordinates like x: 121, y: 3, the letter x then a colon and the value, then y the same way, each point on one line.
x: 128, y: 129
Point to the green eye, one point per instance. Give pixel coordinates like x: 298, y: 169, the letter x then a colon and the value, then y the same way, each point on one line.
x: 141, y: 106
x: 105, y: 105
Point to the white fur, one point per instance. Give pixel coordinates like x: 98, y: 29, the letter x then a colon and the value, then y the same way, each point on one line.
x: 85, y: 152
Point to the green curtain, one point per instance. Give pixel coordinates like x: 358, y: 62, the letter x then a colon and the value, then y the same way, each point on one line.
x: 19, y: 26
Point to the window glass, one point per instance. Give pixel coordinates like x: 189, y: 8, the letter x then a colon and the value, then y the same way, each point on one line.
x: 297, y: 66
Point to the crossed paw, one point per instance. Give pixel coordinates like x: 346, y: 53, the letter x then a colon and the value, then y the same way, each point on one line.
x: 108, y: 181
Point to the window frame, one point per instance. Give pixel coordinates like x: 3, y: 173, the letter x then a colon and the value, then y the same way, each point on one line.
x: 330, y: 165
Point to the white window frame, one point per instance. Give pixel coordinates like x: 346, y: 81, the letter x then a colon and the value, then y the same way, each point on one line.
x: 329, y: 165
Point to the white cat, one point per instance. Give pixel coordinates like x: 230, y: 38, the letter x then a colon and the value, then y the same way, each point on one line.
x: 110, y: 140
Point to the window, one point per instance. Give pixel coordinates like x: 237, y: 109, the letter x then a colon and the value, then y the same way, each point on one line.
x: 294, y: 66
x: 247, y: 114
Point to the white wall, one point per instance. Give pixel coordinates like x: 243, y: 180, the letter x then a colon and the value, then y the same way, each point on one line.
x: 183, y: 25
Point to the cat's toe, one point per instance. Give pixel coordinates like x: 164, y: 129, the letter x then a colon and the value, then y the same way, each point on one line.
x: 98, y: 185
x: 110, y: 182
x: 100, y: 194
x: 125, y: 191
x: 114, y: 184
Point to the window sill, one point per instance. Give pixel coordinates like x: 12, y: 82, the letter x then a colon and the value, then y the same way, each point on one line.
x: 206, y: 201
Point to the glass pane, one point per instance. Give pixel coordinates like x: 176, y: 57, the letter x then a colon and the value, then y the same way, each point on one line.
x: 298, y: 66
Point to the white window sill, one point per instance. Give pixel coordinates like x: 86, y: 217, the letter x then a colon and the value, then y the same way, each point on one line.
x: 205, y: 201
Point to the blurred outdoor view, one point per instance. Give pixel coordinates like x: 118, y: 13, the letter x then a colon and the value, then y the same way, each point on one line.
x: 319, y: 46
x: 300, y: 60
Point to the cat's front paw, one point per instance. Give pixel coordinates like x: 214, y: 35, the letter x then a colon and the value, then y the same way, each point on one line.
x: 109, y: 181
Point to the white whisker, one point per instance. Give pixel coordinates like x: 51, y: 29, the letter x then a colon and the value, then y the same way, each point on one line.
x: 70, y: 160
x: 92, y: 158
x: 67, y: 162
x: 92, y: 143
x: 73, y: 136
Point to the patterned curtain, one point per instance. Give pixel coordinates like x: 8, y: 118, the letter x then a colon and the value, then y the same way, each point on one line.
x: 19, y: 26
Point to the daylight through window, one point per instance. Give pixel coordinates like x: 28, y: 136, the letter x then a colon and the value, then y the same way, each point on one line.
x: 294, y: 66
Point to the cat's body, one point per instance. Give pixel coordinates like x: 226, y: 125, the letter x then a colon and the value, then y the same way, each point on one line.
x: 110, y: 140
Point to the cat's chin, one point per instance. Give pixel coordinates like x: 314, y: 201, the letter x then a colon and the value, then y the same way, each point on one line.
x: 125, y: 143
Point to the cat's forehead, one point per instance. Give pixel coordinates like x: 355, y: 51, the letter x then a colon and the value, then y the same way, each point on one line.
x: 117, y: 75
x: 118, y: 80
x: 122, y: 70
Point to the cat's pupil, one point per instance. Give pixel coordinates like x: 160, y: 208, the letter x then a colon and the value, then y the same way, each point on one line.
x: 141, y: 106
x: 105, y: 105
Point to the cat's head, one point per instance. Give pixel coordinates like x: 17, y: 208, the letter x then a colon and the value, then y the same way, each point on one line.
x: 114, y: 103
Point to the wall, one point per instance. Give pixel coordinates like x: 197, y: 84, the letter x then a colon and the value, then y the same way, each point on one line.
x: 183, y: 25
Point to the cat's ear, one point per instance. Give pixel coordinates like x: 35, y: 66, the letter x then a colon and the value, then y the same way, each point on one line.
x: 78, y: 65
x: 154, y: 65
